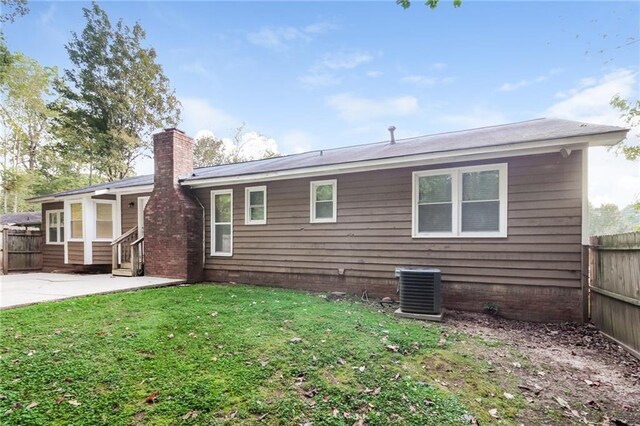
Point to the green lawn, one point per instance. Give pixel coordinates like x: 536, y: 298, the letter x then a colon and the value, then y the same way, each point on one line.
x: 214, y: 354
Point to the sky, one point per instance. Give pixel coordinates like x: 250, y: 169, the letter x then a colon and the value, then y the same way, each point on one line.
x: 313, y: 75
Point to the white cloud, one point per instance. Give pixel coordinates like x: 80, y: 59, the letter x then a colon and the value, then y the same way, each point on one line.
x: 252, y: 147
x: 195, y: 68
x: 510, y: 87
x: 355, y: 108
x: 374, y: 74
x: 612, y: 179
x: 48, y: 15
x: 438, y: 66
x: 297, y: 141
x: 320, y: 78
x: 591, y: 102
x: 324, y: 72
x: 198, y: 114
x: 345, y: 59
x: 280, y: 38
x: 420, y: 80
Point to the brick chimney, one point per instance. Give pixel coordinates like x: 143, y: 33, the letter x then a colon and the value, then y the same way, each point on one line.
x: 173, y: 235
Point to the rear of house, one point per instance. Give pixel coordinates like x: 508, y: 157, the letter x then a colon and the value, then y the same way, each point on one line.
x: 500, y: 210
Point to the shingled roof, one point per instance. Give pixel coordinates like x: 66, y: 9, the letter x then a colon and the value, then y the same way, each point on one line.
x: 508, y: 134
x: 514, y: 134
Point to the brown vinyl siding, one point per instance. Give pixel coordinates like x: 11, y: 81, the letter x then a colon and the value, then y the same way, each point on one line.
x: 52, y: 254
x: 373, y: 231
x: 130, y: 214
x: 101, y: 253
x: 76, y: 252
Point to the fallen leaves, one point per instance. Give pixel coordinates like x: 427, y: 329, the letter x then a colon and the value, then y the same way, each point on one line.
x: 296, y: 340
x: 391, y: 348
x: 32, y: 405
x: 74, y: 402
x: 152, y: 397
x: 311, y: 393
x: 494, y: 413
x: 190, y: 415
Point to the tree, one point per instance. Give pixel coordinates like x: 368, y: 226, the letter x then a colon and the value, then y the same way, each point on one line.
x: 431, y: 3
x: 208, y: 151
x: 631, y: 116
x: 609, y: 219
x: 24, y: 118
x: 113, y: 98
x: 242, y: 146
x: 11, y: 9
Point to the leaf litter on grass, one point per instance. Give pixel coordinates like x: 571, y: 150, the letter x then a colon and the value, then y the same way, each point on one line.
x: 299, y: 359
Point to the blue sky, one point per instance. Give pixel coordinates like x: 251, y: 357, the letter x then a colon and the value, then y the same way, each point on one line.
x: 313, y: 75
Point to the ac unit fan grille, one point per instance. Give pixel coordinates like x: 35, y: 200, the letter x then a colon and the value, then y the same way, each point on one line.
x: 420, y: 291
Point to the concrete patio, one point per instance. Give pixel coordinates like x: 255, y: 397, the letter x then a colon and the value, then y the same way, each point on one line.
x: 26, y: 289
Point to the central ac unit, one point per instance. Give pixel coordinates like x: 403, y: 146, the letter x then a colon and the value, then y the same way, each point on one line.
x: 420, y: 295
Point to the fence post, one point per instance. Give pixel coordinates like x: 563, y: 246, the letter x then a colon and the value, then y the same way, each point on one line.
x: 585, y: 283
x: 5, y: 252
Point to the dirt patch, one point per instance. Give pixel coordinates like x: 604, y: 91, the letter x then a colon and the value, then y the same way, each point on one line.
x: 568, y: 373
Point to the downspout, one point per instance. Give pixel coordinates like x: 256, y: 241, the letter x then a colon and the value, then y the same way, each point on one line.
x: 204, y: 229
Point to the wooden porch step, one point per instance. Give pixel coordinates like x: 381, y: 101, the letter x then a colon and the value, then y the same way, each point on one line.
x: 122, y: 272
x: 125, y: 265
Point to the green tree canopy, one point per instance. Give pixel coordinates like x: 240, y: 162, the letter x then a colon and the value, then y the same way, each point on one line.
x: 113, y: 98
x: 630, y: 113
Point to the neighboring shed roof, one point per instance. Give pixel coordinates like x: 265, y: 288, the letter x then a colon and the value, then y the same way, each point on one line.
x: 541, y: 129
x: 507, y: 134
x: 21, y: 219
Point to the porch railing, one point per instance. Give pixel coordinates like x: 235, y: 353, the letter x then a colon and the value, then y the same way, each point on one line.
x: 127, y: 254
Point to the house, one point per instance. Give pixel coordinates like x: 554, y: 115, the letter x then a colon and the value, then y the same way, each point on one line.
x: 500, y: 210
x: 25, y: 219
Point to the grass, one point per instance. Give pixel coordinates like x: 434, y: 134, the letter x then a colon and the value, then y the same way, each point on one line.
x: 224, y: 354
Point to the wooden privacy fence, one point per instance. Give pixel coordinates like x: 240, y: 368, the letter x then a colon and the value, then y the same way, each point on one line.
x: 615, y: 287
x: 21, y: 250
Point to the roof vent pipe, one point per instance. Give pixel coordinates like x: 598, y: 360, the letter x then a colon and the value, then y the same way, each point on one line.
x: 391, y: 130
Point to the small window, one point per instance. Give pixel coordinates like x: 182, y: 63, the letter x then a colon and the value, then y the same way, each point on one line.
x: 255, y: 212
x: 55, y: 227
x: 222, y: 223
x: 323, y: 201
x: 463, y: 202
x: 104, y: 221
x: 76, y: 220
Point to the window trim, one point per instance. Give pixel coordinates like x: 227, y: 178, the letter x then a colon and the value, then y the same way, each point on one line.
x: 69, y: 217
x: 112, y: 203
x: 312, y: 201
x: 213, y: 223
x: 456, y: 199
x: 58, y: 212
x: 247, y: 205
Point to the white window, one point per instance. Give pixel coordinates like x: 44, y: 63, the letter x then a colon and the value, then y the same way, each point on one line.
x: 104, y: 220
x: 76, y: 221
x: 255, y: 205
x: 222, y: 222
x: 462, y: 202
x: 324, y: 196
x: 55, y: 227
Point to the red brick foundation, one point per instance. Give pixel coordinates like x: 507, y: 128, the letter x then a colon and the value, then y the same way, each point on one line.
x: 521, y: 302
x: 173, y: 217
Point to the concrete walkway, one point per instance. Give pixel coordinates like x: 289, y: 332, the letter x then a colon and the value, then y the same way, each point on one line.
x: 26, y: 289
